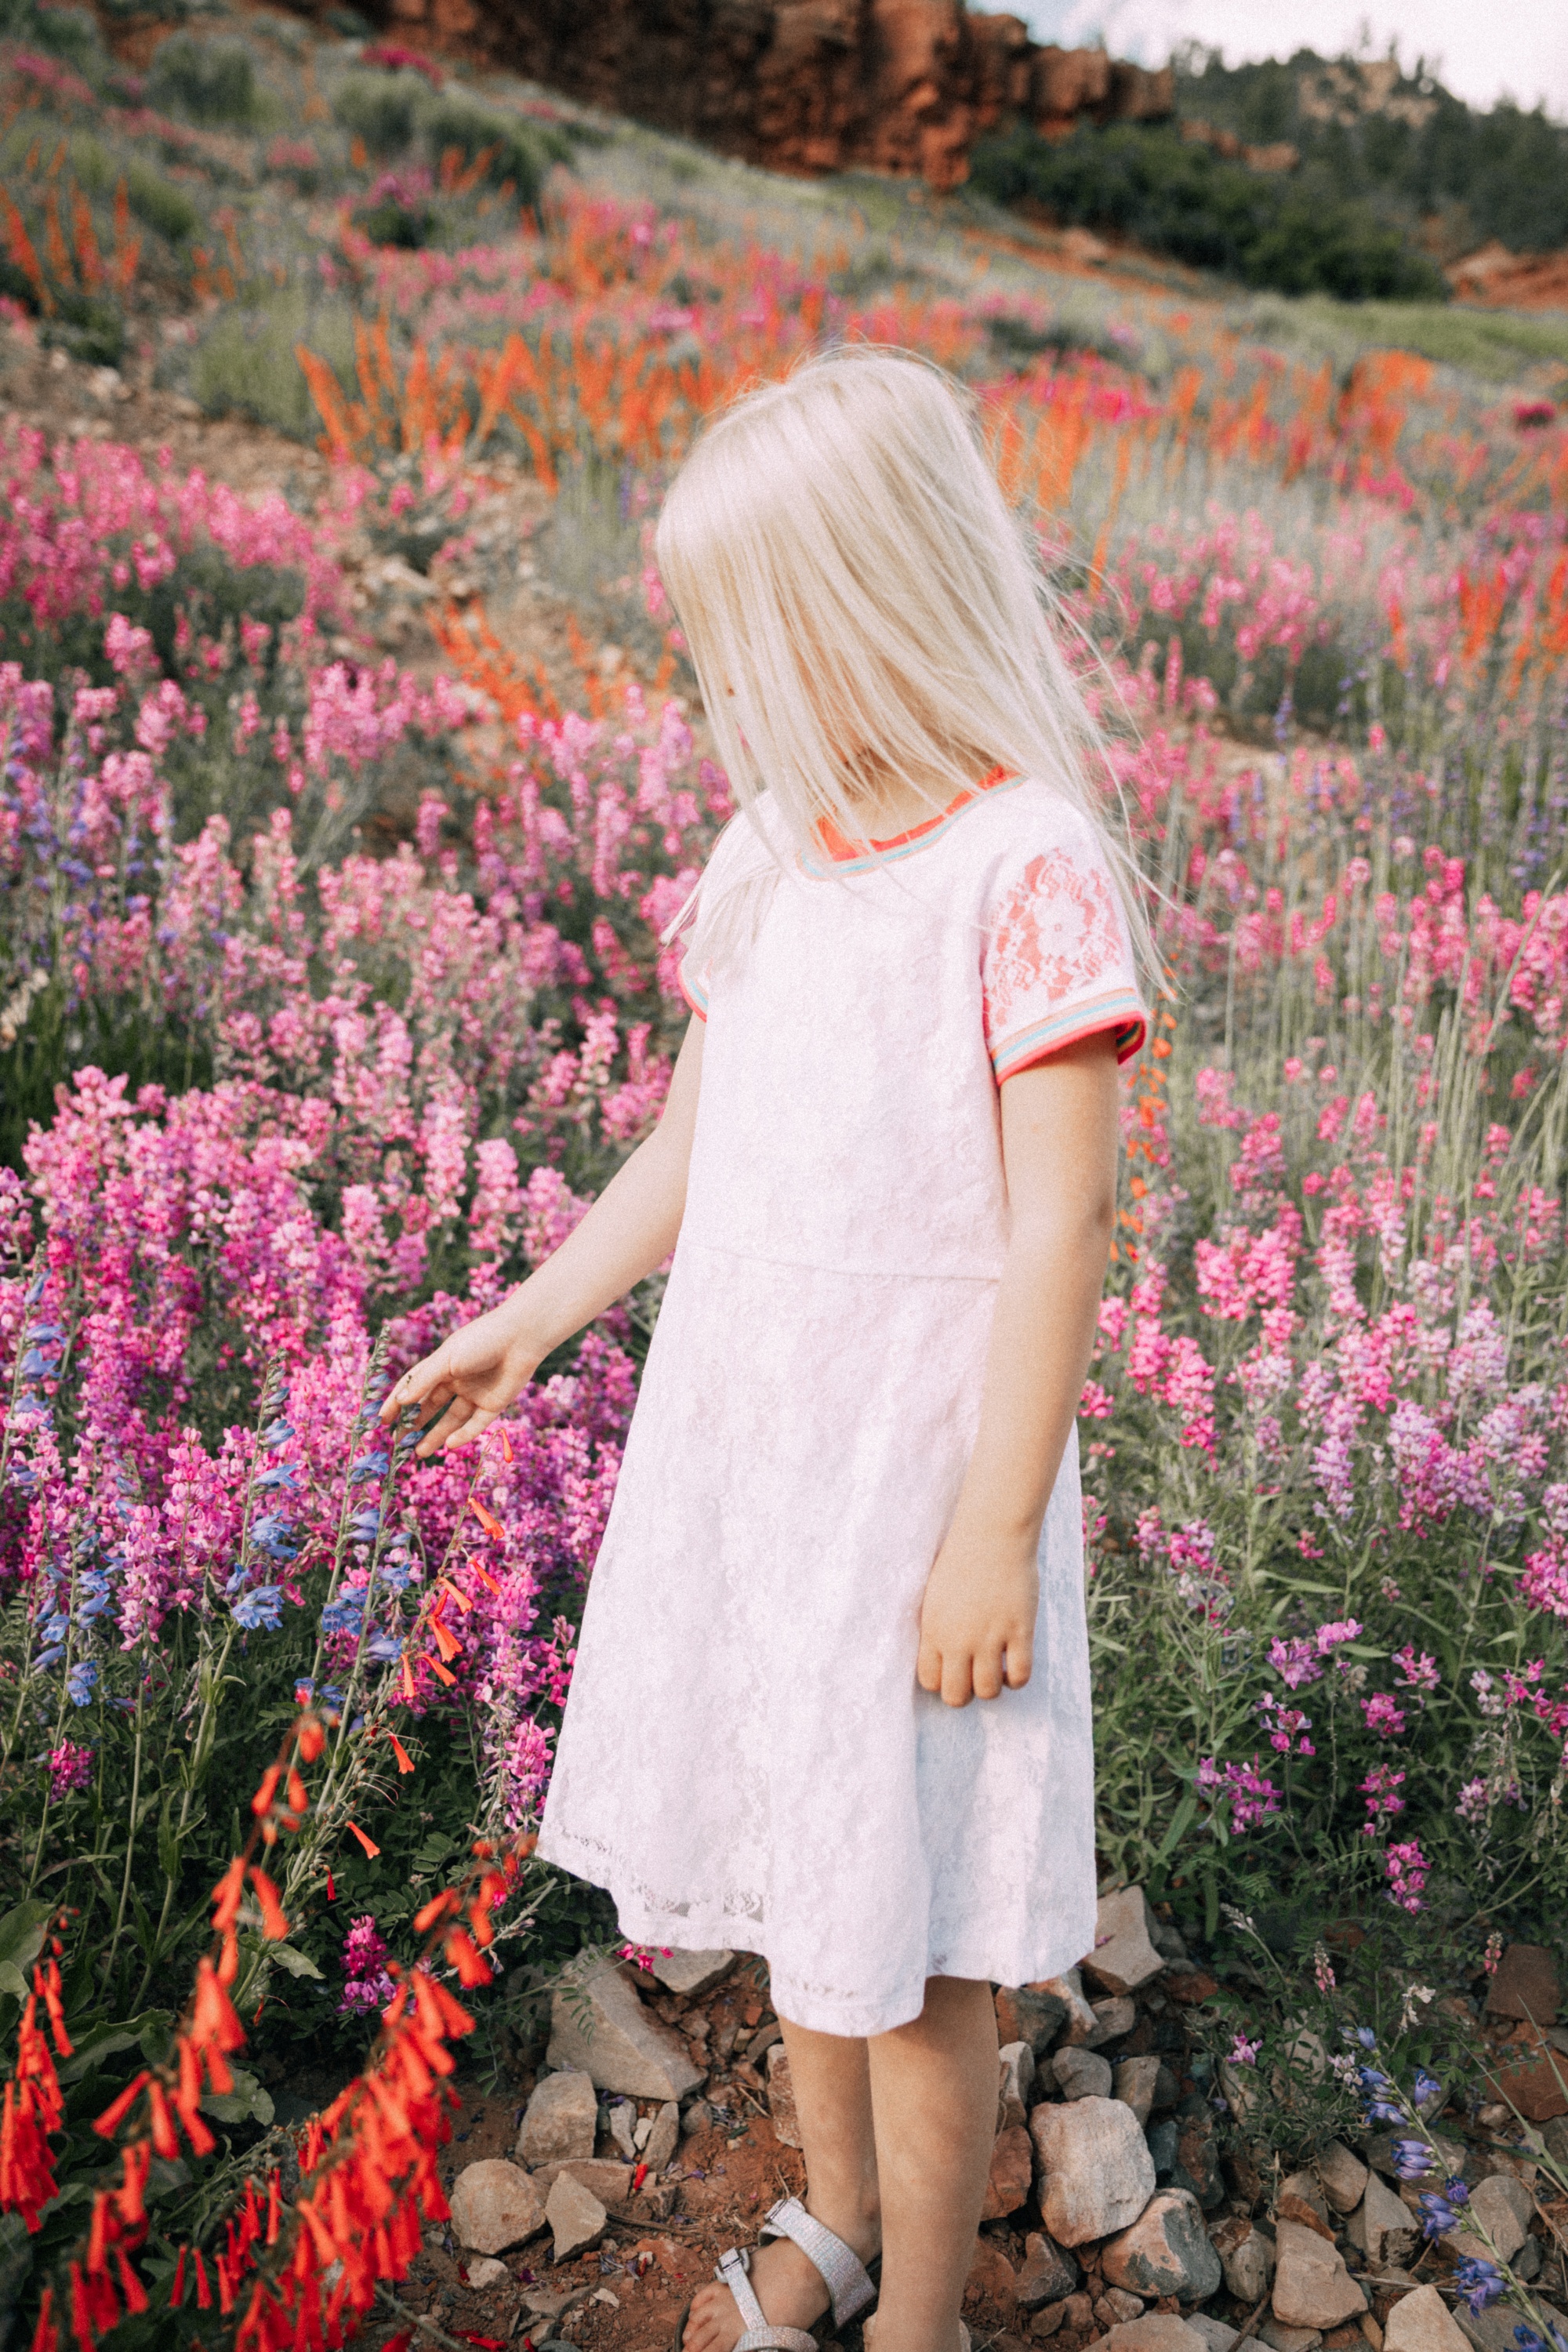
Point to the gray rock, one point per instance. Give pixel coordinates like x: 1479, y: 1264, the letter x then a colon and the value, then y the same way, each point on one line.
x: 1124, y: 1955
x: 1246, y: 2256
x: 1197, y: 2155
x: 1135, y: 2082
x: 1165, y: 2252
x: 599, y: 2025
x: 1081, y: 2022
x: 1528, y: 2261
x: 781, y: 2096
x: 1344, y: 2176
x: 1312, y: 2287
x: 1489, y: 2331
x: 1503, y: 2206
x: 575, y: 2216
x: 696, y: 2119
x: 1157, y: 2331
x: 1116, y: 2306
x: 691, y: 1974
x: 610, y: 2182
x: 1080, y: 2074
x: 1382, y: 2226
x: 486, y: 2273
x: 1113, y: 2019
x: 1162, y: 2139
x: 1280, y: 2339
x: 559, y: 2119
x: 1017, y: 2085
x: 1049, y: 2273
x: 1309, y: 2189
x: 1215, y: 2333
x: 623, y: 2128
x: 1421, y: 2322
x: 659, y: 2146
x: 495, y: 2205
x: 1166, y: 1938
x: 1096, y: 2174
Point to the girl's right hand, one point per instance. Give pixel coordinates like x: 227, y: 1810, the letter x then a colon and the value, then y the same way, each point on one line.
x: 469, y: 1379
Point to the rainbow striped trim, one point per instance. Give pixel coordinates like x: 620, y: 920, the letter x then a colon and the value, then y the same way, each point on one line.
x: 696, y: 995
x: 1116, y: 1009
x: 921, y: 837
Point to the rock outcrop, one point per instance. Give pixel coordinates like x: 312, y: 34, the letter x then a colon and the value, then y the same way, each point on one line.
x: 902, y: 85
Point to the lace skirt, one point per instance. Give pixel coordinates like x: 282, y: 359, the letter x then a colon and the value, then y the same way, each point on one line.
x: 746, y: 1760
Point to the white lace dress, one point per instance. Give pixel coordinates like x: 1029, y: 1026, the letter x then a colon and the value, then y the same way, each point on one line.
x: 746, y: 1759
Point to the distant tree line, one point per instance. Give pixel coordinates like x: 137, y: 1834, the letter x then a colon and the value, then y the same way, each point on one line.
x: 1392, y: 172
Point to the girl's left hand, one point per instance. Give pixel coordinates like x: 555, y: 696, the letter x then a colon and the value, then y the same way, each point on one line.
x: 977, y: 1618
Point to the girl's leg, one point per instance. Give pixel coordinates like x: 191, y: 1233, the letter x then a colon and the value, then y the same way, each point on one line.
x: 833, y: 2100
x: 933, y: 2092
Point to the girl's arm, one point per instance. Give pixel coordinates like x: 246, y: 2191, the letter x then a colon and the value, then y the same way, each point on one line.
x: 1059, y: 1137
x: 630, y: 1230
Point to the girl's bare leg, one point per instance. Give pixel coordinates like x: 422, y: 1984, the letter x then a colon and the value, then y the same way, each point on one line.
x: 933, y: 2092
x: 832, y: 2088
x: 911, y: 2181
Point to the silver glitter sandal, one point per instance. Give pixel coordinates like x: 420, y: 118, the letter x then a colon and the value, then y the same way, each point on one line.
x: 845, y: 2275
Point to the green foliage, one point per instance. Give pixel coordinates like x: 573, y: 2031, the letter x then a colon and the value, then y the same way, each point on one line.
x: 245, y: 364
x: 380, y: 108
x: 160, y: 205
x: 66, y: 33
x: 1297, y: 233
x: 212, y: 82
x: 1405, y: 139
x: 520, y: 152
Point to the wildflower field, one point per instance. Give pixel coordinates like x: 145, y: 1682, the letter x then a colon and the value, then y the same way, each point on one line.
x: 333, y: 865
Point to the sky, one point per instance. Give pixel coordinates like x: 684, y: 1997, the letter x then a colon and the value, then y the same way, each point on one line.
x: 1517, y: 48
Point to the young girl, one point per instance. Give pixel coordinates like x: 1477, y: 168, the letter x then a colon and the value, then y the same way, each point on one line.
x: 849, y: 1504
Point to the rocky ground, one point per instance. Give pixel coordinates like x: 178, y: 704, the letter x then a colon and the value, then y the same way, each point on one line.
x: 661, y: 2127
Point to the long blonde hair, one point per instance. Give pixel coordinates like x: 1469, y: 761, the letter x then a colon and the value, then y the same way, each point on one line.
x: 861, y: 606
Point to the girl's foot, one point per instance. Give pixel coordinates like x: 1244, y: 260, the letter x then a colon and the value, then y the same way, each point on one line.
x: 789, y: 2286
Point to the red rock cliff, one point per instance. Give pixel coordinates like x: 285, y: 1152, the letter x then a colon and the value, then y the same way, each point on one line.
x: 801, y: 85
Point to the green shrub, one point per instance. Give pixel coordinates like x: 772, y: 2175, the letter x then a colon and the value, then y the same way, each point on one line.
x: 245, y: 366
x: 160, y: 205
x: 379, y: 108
x: 67, y: 32
x: 516, y: 152
x: 1298, y: 235
x: 212, y: 82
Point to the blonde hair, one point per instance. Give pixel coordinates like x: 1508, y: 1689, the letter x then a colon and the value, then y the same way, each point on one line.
x: 861, y: 606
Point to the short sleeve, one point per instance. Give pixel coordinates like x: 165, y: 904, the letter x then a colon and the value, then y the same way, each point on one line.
x: 1058, y: 962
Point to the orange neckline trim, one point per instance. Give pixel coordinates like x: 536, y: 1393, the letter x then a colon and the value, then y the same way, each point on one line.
x: 838, y: 849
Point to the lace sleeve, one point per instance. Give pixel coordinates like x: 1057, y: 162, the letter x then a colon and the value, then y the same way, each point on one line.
x: 1057, y: 961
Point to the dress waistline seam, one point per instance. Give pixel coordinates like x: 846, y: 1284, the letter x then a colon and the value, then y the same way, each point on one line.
x: 815, y: 1265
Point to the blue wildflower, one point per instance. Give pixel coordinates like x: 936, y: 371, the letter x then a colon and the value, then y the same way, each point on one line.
x: 80, y: 1680
x: 1478, y: 2281
x: 1365, y: 2036
x: 1413, y: 2159
x: 365, y: 1524
x: 395, y: 1573
x: 281, y: 1475
x: 260, y: 1610
x: 369, y: 1465
x: 344, y: 1614
x: 1427, y: 2087
x: 276, y: 1434
x: 385, y: 1647
x: 275, y: 1537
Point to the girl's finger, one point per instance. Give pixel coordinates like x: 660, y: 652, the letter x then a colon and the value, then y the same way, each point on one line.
x: 957, y: 1680
x: 1020, y: 1664
x: 414, y: 1387
x: 988, y: 1672
x: 441, y: 1432
x: 478, y: 1421
x: 927, y: 1668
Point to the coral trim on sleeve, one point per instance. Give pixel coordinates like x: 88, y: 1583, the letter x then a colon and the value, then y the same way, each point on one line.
x: 1117, y: 1008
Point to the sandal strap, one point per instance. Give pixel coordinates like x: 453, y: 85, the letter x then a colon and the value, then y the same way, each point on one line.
x: 775, y: 2340
x: 843, y: 2274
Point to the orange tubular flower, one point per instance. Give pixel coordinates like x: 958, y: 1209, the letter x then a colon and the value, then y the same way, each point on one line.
x: 471, y: 1967
x: 114, y: 2115
x: 312, y: 1737
x: 486, y: 1519
x: 370, y: 1846
x: 440, y: 1906
x: 274, y: 1926
x: 226, y: 1897
x: 262, y: 1800
x: 405, y: 1761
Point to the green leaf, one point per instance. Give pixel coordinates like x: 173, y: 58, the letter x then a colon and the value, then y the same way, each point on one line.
x: 1180, y: 1821
x: 246, y: 2102
x: 109, y: 2037
x: 22, y: 1933
x: 289, y: 1958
